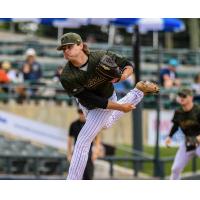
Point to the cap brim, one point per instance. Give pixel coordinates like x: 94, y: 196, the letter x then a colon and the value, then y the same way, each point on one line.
x: 59, y: 48
x: 182, y: 93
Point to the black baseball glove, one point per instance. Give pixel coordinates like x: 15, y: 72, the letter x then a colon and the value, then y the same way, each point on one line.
x: 191, y: 143
x: 108, y: 68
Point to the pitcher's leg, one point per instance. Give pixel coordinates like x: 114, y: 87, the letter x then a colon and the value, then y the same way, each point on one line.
x: 134, y: 97
x: 95, y: 121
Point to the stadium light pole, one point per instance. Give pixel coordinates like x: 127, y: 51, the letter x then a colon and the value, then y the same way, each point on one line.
x: 158, y: 171
x: 137, y: 113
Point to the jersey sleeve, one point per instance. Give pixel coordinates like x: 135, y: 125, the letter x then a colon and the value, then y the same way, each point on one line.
x: 91, y: 100
x: 175, y: 117
x: 173, y: 130
x: 175, y: 124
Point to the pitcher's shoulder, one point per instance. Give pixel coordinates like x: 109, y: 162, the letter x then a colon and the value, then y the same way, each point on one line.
x: 97, y: 53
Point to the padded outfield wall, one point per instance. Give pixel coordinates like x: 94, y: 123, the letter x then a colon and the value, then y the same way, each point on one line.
x: 60, y: 116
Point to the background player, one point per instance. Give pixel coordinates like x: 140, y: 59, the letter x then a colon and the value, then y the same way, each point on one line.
x: 187, y: 117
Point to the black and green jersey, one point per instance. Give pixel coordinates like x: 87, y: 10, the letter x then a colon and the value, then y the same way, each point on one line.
x: 189, y: 121
x: 75, y: 80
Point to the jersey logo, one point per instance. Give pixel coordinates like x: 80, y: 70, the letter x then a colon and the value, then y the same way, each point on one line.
x: 105, y: 67
x: 95, y: 81
x: 74, y: 90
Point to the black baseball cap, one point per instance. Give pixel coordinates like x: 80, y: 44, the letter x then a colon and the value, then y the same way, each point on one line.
x: 69, y: 38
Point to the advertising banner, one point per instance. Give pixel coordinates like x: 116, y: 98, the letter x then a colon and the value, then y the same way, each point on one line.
x: 164, y: 129
x: 33, y: 130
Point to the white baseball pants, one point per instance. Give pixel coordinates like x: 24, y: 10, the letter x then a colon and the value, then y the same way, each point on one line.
x: 181, y: 159
x: 96, y: 119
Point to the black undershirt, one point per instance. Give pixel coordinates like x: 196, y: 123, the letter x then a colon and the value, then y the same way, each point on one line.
x: 84, y: 64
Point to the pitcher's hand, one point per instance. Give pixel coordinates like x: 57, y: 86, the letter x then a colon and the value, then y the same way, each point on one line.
x: 198, y: 138
x: 126, y: 107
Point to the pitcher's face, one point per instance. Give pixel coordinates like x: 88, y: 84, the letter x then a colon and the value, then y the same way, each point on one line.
x: 72, y: 51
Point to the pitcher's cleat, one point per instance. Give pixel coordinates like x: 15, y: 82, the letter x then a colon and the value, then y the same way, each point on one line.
x: 147, y: 87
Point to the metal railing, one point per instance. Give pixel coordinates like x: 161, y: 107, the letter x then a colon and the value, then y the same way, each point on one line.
x: 54, y: 92
x: 36, y: 163
x: 63, y: 164
x: 138, y: 160
x: 148, y: 54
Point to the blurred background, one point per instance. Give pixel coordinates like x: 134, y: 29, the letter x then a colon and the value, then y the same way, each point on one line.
x: 35, y: 111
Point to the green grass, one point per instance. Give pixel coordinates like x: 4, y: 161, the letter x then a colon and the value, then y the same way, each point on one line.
x: 148, y: 167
